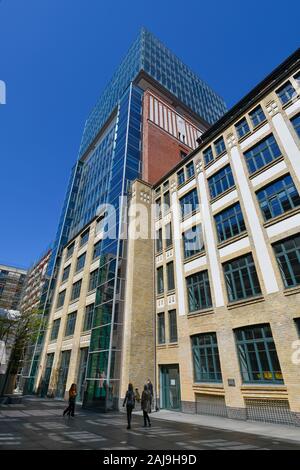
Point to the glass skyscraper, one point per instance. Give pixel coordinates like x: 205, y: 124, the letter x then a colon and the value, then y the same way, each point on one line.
x: 110, y: 158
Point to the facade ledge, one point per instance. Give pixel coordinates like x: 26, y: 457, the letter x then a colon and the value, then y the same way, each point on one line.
x: 192, y: 258
x: 265, y: 391
x: 281, y: 217
x: 233, y: 239
x: 291, y: 291
x: 266, y: 167
x: 200, y: 313
x: 290, y: 102
x: 222, y: 154
x: 73, y: 301
x: 161, y: 346
x: 244, y: 137
x: 172, y: 345
x: 190, y: 214
x: 209, y: 388
x: 258, y: 126
x: 245, y: 302
x: 228, y: 191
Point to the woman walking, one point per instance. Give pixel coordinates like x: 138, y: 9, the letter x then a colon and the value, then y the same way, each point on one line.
x: 70, y: 410
x: 146, y: 405
x: 130, y: 402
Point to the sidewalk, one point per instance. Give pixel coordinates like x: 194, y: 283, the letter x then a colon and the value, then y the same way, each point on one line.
x: 275, y: 431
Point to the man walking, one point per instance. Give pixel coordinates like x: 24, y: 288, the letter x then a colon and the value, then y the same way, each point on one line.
x: 150, y: 388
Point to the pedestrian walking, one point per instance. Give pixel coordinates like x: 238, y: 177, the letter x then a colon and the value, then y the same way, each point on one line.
x: 150, y: 388
x: 70, y: 410
x: 129, y: 401
x: 146, y: 405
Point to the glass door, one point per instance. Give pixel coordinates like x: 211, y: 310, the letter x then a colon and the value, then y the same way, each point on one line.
x: 81, y: 372
x: 63, y: 374
x: 170, y: 387
x: 47, y: 375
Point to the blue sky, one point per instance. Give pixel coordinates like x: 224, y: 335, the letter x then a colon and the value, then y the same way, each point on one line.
x: 57, y: 55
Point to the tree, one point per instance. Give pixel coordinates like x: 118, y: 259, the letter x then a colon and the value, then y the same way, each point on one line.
x: 21, y: 331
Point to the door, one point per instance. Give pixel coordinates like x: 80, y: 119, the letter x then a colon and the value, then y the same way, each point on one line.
x: 63, y: 374
x: 170, y: 387
x: 82, y: 371
x: 46, y: 380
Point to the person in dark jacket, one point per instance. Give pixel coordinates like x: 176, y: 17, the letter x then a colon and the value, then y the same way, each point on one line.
x: 70, y: 410
x: 150, y: 388
x: 146, y: 405
x: 130, y: 402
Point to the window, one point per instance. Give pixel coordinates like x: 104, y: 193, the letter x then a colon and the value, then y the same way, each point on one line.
x: 242, y: 128
x: 84, y: 237
x: 190, y: 170
x: 206, y: 359
x: 286, y: 92
x: 80, y: 262
x: 173, y: 326
x: 296, y: 123
x: 257, y: 355
x: 241, y: 278
x: 70, y: 250
x: 180, y: 177
x: 160, y: 280
x: 208, y: 155
x: 97, y: 250
x: 219, y: 146
x: 229, y: 222
x: 70, y: 326
x: 161, y: 336
x: 167, y: 201
x: 287, y: 253
x: 55, y: 329
x: 192, y: 241
x: 198, y: 290
x: 261, y: 154
x: 297, y: 78
x: 61, y: 299
x: 76, y: 290
x: 278, y: 197
x: 93, y: 280
x: 220, y: 181
x: 169, y: 240
x: 158, y: 208
x: 66, y: 273
x: 88, y: 317
x: 166, y: 185
x: 257, y: 116
x: 189, y: 203
x: 297, y: 323
x: 159, y: 242
x: 170, y: 276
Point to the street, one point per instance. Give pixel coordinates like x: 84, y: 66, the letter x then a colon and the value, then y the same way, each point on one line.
x: 37, y: 424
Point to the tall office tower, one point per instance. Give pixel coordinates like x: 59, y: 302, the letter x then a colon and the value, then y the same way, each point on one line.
x: 146, y: 120
x: 11, y: 286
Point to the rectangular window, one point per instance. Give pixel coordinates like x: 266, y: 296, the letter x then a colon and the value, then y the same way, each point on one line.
x: 70, y: 326
x: 70, y: 250
x: 88, y: 317
x: 192, y: 241
x: 55, y: 329
x: 180, y: 177
x: 76, y: 290
x: 296, y: 123
x: 286, y: 93
x: 158, y: 208
x: 173, y: 337
x: 208, y: 155
x: 93, y: 280
x: 97, y: 250
x: 257, y: 355
x: 198, y: 290
x: 242, y: 128
x: 257, y: 116
x: 169, y: 239
x: 61, y: 299
x: 189, y: 203
x: 206, y: 360
x: 297, y: 323
x: 219, y: 146
x: 84, y: 237
x: 229, y: 222
x: 262, y: 153
x: 170, y: 276
x: 166, y: 201
x: 190, y: 170
x: 220, y: 181
x: 159, y: 241
x: 161, y: 333
x: 241, y: 278
x: 160, y: 280
x: 287, y: 254
x: 278, y: 197
x: 80, y: 262
x: 66, y: 273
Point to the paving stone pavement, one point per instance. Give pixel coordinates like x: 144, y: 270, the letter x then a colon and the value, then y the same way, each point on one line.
x: 38, y: 424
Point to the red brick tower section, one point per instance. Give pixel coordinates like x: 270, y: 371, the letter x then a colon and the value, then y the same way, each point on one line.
x: 167, y: 137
